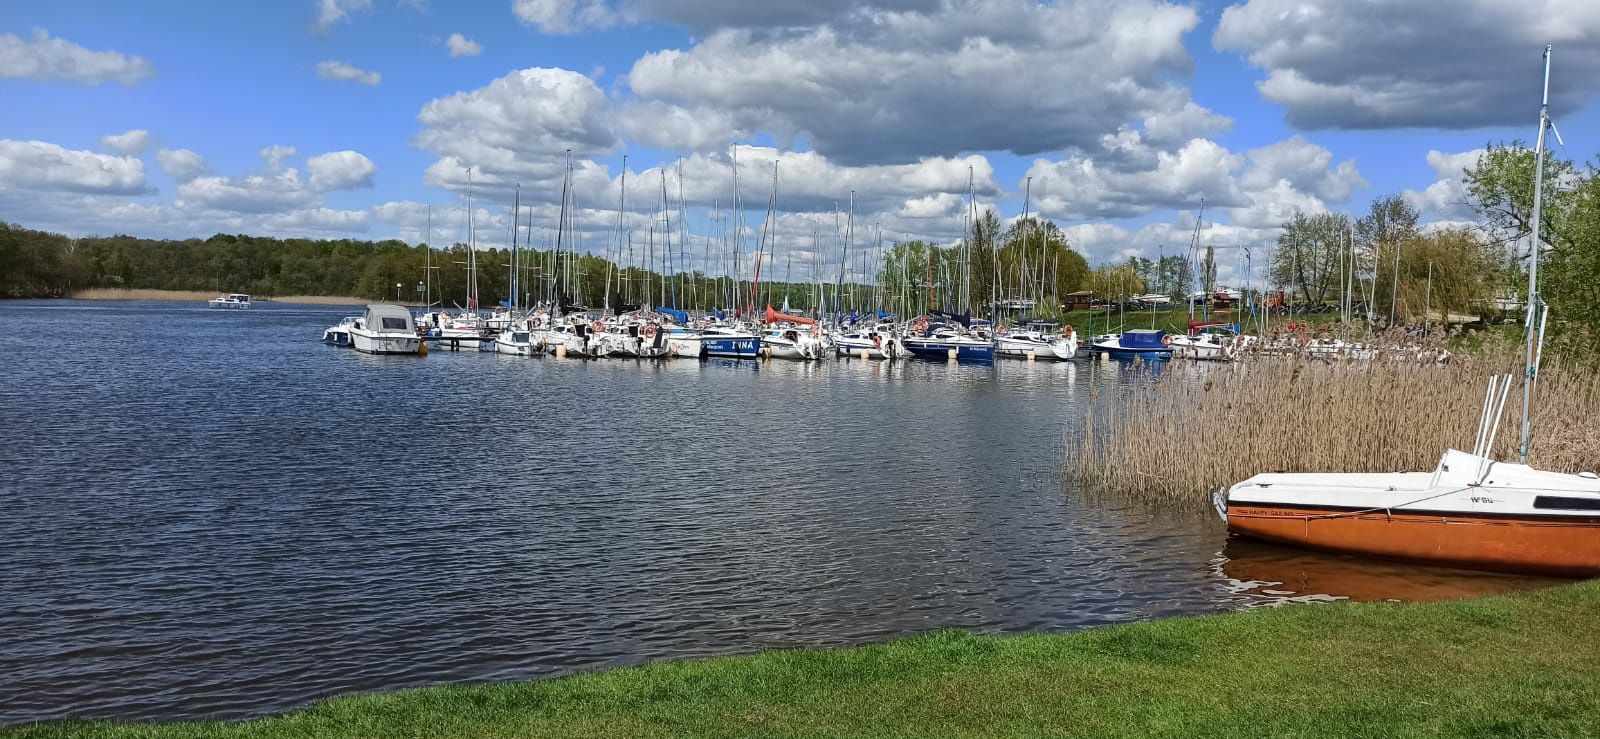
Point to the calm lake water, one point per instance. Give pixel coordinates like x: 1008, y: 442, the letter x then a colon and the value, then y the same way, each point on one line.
x: 210, y: 514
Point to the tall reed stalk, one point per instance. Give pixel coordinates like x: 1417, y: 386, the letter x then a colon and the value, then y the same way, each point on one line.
x: 1190, y: 432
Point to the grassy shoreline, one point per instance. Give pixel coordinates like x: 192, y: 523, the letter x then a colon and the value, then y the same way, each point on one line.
x: 1521, y: 664
x: 117, y: 293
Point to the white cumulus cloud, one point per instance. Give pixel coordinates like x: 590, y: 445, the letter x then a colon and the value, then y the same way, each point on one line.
x: 128, y: 143
x: 460, y: 45
x: 181, y: 164
x: 39, y: 165
x: 343, y: 72
x: 41, y: 57
x: 340, y: 170
x: 559, y: 17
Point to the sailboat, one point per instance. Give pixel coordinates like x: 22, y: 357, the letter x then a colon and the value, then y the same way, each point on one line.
x: 1471, y: 511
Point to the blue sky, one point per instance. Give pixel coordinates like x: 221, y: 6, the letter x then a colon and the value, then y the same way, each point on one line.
x: 894, y: 98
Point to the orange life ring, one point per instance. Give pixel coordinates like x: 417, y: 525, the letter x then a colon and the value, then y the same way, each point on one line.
x: 1166, y: 340
x: 1066, y: 329
x: 649, y: 331
x: 597, y: 327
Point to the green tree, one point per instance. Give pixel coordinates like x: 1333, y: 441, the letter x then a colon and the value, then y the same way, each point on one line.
x: 1307, y: 258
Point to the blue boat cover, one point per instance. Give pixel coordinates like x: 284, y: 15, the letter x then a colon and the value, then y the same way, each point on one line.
x: 1143, y: 339
x: 678, y: 316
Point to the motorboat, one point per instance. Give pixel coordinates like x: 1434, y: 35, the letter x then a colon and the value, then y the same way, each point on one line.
x: 385, y: 329
x: 1470, y: 512
x: 237, y: 301
x: 339, y: 333
x: 1136, y: 344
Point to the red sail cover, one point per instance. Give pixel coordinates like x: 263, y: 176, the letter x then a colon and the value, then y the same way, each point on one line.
x: 776, y: 317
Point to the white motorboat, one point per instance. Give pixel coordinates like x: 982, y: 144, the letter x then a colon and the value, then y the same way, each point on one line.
x: 339, y: 333
x: 683, y: 342
x: 385, y: 329
x: 1471, y: 511
x: 237, y: 301
x: 1212, y: 343
x: 874, y: 342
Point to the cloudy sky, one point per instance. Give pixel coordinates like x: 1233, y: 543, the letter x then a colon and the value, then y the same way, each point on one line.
x: 348, y: 118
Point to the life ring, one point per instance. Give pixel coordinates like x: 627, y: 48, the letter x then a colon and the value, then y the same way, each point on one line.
x: 649, y: 331
x: 1001, y: 329
x: 1166, y: 340
x: 877, y: 340
x: 597, y: 327
x: 1066, y: 329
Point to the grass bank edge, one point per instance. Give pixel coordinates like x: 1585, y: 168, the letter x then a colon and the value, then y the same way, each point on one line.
x: 1524, y: 663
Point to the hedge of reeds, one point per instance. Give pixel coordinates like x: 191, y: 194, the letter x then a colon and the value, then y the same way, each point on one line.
x: 1199, y: 427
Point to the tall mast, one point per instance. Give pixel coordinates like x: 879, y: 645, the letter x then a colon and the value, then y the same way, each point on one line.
x: 622, y: 202
x: 761, y: 247
x: 472, y: 252
x: 738, y: 233
x: 1534, y: 329
x: 427, y: 268
x: 516, y: 210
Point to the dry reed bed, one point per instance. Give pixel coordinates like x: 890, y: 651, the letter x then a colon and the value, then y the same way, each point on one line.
x: 1191, y: 432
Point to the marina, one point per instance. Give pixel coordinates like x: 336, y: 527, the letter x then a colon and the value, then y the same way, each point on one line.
x: 370, y: 522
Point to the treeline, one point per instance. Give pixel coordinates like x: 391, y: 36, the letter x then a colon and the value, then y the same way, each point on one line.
x: 42, y: 264
x: 1028, y: 260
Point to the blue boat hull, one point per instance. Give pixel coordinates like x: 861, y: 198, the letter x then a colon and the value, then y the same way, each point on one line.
x: 1120, y: 353
x: 733, y: 347
x: 940, y: 351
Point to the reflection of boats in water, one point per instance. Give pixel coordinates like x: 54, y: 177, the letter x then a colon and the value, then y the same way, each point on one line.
x: 1284, y: 574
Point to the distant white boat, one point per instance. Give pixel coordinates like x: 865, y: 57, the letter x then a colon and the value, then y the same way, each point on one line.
x: 385, y: 329
x: 233, y: 300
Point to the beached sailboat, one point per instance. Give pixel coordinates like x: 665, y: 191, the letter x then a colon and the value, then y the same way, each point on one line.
x: 1471, y: 511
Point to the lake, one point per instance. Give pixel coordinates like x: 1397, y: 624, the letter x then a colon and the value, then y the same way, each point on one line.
x: 210, y: 514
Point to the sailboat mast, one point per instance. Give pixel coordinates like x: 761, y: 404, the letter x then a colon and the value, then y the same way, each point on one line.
x: 622, y: 202
x: 1534, y: 329
x: 472, y: 252
x: 516, y: 210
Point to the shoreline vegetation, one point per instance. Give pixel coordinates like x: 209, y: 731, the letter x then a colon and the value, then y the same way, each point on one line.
x: 1524, y: 664
x: 1193, y: 431
x: 184, y: 296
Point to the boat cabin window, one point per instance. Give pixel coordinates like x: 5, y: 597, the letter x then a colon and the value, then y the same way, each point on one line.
x: 394, y: 324
x: 519, y: 338
x: 1547, y: 502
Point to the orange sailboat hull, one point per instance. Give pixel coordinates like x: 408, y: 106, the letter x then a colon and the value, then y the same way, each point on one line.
x: 1568, y: 546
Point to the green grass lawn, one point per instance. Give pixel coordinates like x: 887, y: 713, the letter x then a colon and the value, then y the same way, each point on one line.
x: 1518, y: 665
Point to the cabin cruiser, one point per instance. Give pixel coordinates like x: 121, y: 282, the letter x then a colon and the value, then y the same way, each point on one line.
x: 233, y: 300
x: 1138, y: 343
x: 683, y: 342
x: 385, y: 329
x: 339, y: 333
